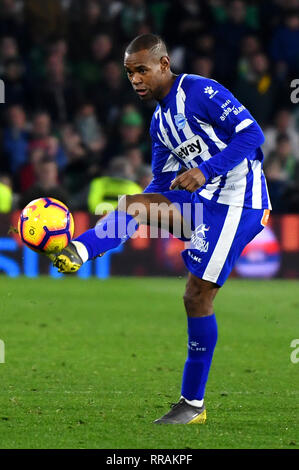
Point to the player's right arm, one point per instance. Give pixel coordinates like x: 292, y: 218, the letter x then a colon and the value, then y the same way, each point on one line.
x: 164, y: 165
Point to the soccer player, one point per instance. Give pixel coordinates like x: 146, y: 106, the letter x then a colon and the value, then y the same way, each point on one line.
x: 200, y: 126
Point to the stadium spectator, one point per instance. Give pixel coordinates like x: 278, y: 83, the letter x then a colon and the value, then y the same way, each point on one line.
x: 281, y: 162
x: 283, y: 124
x: 285, y: 43
x: 46, y: 184
x: 291, y: 194
x: 89, y: 128
x: 27, y: 173
x: 250, y: 46
x: 59, y: 48
x: 15, y: 139
x: 280, y: 172
x: 8, y: 50
x: 270, y: 14
x: 72, y: 143
x: 102, y: 48
x: 44, y: 19
x: 190, y: 17
x: 135, y: 156
x: 6, y: 194
x: 144, y: 176
x: 42, y: 138
x: 191, y: 38
x: 117, y: 94
x: 131, y: 127
x: 117, y: 182
x: 81, y: 168
x: 11, y: 20
x: 130, y: 133
x: 90, y: 69
x: 133, y: 14
x: 205, y: 43
x: 58, y: 93
x: 229, y: 35
x: 258, y: 89
x: 203, y: 66
x: 16, y: 89
x: 203, y: 47
x: 86, y: 20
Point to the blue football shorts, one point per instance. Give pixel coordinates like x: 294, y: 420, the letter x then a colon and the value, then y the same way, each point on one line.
x: 219, y: 234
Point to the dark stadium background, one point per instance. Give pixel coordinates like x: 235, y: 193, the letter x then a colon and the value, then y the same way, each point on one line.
x: 70, y: 117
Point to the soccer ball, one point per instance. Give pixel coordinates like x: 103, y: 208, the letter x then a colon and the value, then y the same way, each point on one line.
x: 46, y: 225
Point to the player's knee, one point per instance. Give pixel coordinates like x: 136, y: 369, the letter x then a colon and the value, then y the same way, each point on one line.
x: 198, y: 300
x: 191, y: 296
x: 198, y: 304
x: 191, y: 300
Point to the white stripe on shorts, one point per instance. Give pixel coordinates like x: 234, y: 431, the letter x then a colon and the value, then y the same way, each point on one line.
x: 257, y: 184
x: 225, y: 240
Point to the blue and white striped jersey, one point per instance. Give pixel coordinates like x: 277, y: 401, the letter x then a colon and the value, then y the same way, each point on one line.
x: 201, y: 124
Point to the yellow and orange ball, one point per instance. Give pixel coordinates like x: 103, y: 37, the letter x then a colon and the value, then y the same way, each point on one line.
x: 46, y: 225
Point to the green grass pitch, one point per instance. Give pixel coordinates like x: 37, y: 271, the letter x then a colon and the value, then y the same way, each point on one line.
x: 90, y: 364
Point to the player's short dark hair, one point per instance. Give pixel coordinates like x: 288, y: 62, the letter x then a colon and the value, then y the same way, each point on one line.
x: 150, y: 42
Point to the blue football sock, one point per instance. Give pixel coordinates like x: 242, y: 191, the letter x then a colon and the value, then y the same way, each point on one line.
x: 202, y: 338
x: 112, y: 230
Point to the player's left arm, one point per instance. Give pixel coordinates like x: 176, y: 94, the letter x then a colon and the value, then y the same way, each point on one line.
x: 226, y: 112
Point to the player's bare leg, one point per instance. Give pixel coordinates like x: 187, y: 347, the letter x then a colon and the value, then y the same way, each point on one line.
x: 132, y: 210
x: 166, y: 216
x: 199, y: 296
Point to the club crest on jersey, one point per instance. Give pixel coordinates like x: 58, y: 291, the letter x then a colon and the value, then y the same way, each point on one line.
x: 180, y: 121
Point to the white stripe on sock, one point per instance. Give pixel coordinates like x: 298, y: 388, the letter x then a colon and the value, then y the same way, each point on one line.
x: 197, y: 403
x: 82, y: 251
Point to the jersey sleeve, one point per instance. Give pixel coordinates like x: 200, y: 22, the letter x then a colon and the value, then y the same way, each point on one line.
x: 242, y: 145
x: 164, y: 165
x: 218, y: 106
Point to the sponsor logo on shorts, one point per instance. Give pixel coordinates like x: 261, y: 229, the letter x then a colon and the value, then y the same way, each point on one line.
x: 194, y: 257
x: 198, y: 238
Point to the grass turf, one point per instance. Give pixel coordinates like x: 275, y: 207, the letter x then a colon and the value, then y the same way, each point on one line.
x: 90, y: 364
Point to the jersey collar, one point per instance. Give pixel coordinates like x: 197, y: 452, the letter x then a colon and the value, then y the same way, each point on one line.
x: 163, y: 103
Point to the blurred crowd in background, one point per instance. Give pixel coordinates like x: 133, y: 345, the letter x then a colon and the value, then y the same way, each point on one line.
x: 72, y: 127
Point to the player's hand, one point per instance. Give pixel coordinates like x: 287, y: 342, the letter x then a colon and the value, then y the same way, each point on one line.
x: 191, y: 180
